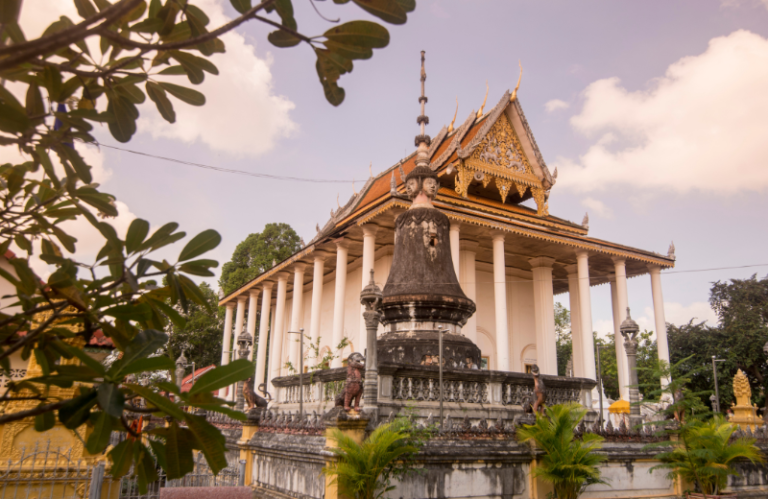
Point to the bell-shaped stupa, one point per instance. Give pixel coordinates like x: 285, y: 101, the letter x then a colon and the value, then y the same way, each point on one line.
x: 422, y: 297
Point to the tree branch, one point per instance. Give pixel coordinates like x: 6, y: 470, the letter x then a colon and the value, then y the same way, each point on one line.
x: 283, y: 28
x: 23, y: 52
x: 126, y: 42
x: 41, y: 409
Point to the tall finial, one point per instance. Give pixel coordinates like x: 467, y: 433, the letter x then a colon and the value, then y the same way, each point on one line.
x: 519, y: 78
x: 422, y: 140
x: 450, y: 127
x: 480, y: 111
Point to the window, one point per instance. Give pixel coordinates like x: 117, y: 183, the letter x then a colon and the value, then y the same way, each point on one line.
x: 528, y: 368
x: 484, y: 361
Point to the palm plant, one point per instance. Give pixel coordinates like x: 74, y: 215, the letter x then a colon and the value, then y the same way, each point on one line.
x: 705, y: 454
x: 362, y: 471
x: 569, y: 464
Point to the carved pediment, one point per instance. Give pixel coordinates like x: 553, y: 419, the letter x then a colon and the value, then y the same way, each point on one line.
x: 500, y: 152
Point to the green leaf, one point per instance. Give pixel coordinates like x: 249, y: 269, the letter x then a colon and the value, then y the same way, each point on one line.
x: 178, y: 451
x: 122, y: 458
x: 177, y: 319
x: 184, y: 94
x: 35, y: 105
x: 199, y: 267
x: 111, y: 399
x: 45, y: 421
x: 386, y: 10
x: 102, y: 202
x: 99, y: 438
x: 222, y: 376
x: 407, y: 5
x: 201, y: 243
x: 137, y: 232
x: 158, y: 449
x: 142, y: 345
x: 11, y: 120
x: 146, y: 365
x: 83, y: 170
x: 84, y: 358
x: 359, y: 34
x: 145, y: 467
x: 348, y: 51
x: 75, y: 412
x: 9, y: 11
x: 283, y: 39
x: 210, y: 440
x: 125, y: 114
x: 194, y: 65
x: 163, y: 404
x: 160, y: 234
x: 333, y: 93
x: 241, y: 6
x: 23, y: 243
x: 161, y: 100
x: 176, y: 70
x: 130, y: 312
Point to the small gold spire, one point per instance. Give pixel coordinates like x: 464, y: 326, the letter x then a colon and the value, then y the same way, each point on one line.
x: 353, y: 187
x: 450, y: 127
x: 370, y: 168
x: 480, y: 112
x: 337, y: 201
x: 514, y: 93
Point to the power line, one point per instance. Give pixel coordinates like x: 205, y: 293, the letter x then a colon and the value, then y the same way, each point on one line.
x: 229, y: 170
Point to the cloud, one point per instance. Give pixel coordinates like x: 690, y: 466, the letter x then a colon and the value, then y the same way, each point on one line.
x: 597, y: 207
x: 677, y: 313
x: 556, y: 104
x: 242, y: 116
x: 701, y: 126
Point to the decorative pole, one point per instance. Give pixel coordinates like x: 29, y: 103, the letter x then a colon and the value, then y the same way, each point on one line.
x: 629, y: 330
x: 244, y: 342
x: 370, y: 297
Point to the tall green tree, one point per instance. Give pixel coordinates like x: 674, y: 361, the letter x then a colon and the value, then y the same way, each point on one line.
x: 564, y: 338
x: 200, y: 336
x: 647, y: 358
x: 257, y: 253
x: 53, y: 89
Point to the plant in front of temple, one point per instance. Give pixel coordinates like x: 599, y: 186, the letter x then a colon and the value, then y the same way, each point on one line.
x: 705, y: 453
x: 568, y: 463
x: 364, y: 471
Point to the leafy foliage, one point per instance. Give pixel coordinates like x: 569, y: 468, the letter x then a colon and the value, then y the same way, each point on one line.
x: 200, y: 334
x: 647, y: 359
x: 257, y: 253
x: 363, y: 471
x: 564, y: 338
x: 568, y: 463
x: 53, y: 90
x: 704, y: 454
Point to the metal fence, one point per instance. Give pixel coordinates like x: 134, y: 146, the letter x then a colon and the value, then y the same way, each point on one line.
x: 48, y: 472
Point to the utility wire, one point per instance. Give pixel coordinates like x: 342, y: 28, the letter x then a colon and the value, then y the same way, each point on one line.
x: 229, y: 170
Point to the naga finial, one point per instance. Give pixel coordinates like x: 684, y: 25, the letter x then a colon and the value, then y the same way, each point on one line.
x: 519, y: 78
x: 450, y: 127
x: 480, y: 111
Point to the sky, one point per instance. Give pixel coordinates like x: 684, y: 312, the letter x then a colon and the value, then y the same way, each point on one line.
x: 653, y: 112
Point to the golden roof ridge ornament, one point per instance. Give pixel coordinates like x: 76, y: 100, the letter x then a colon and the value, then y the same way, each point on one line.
x: 450, y: 127
x: 517, y: 87
x: 480, y: 111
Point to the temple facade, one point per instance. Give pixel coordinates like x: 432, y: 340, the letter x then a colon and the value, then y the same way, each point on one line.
x: 510, y: 260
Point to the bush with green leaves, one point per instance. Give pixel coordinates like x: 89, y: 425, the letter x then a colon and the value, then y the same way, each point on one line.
x: 570, y: 464
x: 52, y: 90
x: 705, y: 453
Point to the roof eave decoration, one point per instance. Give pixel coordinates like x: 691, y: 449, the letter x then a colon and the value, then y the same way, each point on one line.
x: 437, y: 141
x: 456, y: 142
x: 548, y: 180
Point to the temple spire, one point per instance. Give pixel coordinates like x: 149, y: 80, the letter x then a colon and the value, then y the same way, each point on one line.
x: 422, y: 141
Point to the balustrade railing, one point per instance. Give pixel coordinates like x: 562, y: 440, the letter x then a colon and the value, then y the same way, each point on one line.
x: 428, y: 389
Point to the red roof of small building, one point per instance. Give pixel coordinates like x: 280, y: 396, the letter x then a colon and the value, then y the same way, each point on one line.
x: 188, y: 382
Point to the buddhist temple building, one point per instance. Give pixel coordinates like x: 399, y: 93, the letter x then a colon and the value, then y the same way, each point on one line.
x: 510, y: 259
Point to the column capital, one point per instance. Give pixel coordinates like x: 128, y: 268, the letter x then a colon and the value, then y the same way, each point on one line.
x: 370, y: 229
x: 267, y: 287
x: 282, y: 276
x: 541, y: 262
x: 320, y: 255
x: 653, y: 268
x: 230, y: 304
x: 254, y: 292
x: 498, y: 235
x: 468, y: 245
x: 619, y: 260
x: 573, y: 270
x: 241, y: 299
x: 455, y: 225
x: 341, y: 243
x: 299, y: 268
x: 582, y: 253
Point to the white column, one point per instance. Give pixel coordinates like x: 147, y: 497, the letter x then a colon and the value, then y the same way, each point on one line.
x: 261, y: 351
x: 278, y: 327
x: 454, y: 238
x: 239, y: 319
x: 620, y: 313
x: 296, y: 313
x: 468, y: 281
x: 576, y: 341
x: 317, y: 298
x: 544, y: 314
x: 585, y: 315
x: 658, y: 315
x: 226, y: 341
x: 369, y: 255
x: 340, y: 293
x: 251, y: 327
x: 500, y: 300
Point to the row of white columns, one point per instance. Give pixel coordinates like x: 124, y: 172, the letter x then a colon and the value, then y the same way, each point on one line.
x: 464, y: 259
